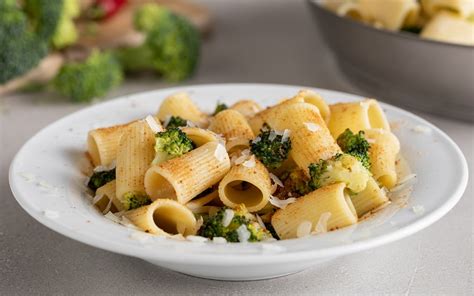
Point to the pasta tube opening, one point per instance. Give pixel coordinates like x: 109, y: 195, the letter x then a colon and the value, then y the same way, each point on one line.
x: 164, y: 217
x: 158, y: 185
x: 249, y: 185
x: 243, y: 192
x: 377, y: 117
x: 200, y: 136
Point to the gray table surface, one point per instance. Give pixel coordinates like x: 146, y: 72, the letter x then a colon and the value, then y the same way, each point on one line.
x: 267, y: 41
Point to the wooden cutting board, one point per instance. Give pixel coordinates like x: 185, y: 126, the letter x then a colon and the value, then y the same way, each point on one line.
x: 118, y: 30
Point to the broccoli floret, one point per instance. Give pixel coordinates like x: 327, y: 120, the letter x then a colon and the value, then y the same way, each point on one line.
x: 270, y: 148
x: 99, y: 179
x: 21, y: 48
x: 341, y: 168
x: 355, y: 145
x: 213, y: 226
x: 134, y: 200
x: 176, y: 121
x: 83, y: 81
x: 54, y: 20
x: 170, y: 144
x: 172, y: 44
x: 295, y: 184
x: 220, y: 107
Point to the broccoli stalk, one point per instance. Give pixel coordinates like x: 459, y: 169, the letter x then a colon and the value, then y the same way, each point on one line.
x: 175, y: 121
x: 99, y: 179
x: 214, y: 226
x: 340, y: 168
x: 219, y: 107
x: 171, y: 47
x: 94, y: 77
x: 355, y: 145
x: 270, y: 148
x: 170, y: 144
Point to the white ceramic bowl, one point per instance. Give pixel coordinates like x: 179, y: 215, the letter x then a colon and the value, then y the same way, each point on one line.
x: 46, y: 180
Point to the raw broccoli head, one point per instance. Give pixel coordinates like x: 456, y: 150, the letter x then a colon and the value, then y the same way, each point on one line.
x: 172, y: 44
x: 270, y: 148
x: 355, y: 145
x: 170, y: 144
x: 220, y: 107
x: 94, y: 77
x: 53, y: 20
x: 99, y: 179
x: 134, y: 200
x: 176, y: 121
x: 340, y: 168
x: 21, y: 48
x: 214, y: 226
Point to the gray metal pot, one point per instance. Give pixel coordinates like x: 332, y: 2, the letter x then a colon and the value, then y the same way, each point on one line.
x: 400, y: 67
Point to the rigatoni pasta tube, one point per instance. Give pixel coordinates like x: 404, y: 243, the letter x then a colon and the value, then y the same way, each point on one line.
x: 200, y: 136
x: 356, y: 116
x: 384, y: 147
x: 303, y: 96
x: 106, y: 195
x: 134, y: 156
x: 247, y: 108
x: 447, y: 26
x: 310, y: 97
x: 184, y: 177
x: 180, y: 104
x: 102, y: 144
x: 234, y: 127
x: 464, y: 8
x: 329, y: 199
x: 369, y: 199
x: 248, y: 185
x: 311, y: 141
x: 393, y: 14
x: 164, y: 217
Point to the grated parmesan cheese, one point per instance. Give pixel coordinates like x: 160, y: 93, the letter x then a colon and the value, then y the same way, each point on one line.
x: 220, y: 153
x: 112, y: 217
x: 418, y: 210
x: 272, y: 135
x: 102, y: 168
x: 250, y: 163
x: 190, y: 123
x: 260, y: 222
x: 228, y: 216
x: 312, y: 127
x: 167, y: 120
x: 281, y: 203
x: 139, y: 236
x: 219, y: 240
x: 197, y: 238
x: 51, y: 214
x: 304, y: 229
x: 276, y: 180
x: 286, y: 135
x: 421, y: 129
x: 322, y: 225
x: 256, y: 140
x: 28, y: 177
x: 370, y: 141
x: 243, y: 234
x: 154, y: 126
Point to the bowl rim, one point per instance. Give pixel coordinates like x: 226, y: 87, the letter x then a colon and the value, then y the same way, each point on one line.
x: 243, y: 259
x: 395, y: 34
